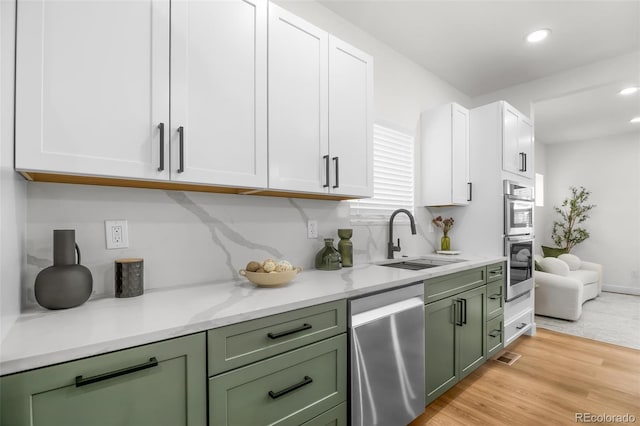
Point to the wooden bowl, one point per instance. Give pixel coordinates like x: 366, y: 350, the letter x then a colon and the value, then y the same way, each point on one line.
x: 271, y: 279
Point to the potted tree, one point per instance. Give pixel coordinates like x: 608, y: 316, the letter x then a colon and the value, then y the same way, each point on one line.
x: 566, y: 233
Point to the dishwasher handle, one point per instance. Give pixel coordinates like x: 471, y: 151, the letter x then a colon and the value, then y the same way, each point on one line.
x: 385, y: 311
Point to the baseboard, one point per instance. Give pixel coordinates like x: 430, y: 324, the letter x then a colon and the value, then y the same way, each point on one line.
x: 619, y: 289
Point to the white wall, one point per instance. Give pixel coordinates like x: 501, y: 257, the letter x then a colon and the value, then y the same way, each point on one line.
x: 190, y: 238
x: 539, y: 216
x: 12, y: 187
x: 609, y: 169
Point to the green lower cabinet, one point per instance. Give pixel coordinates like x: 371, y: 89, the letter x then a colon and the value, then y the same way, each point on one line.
x: 455, y: 339
x: 287, y: 389
x: 337, y: 416
x: 441, y: 371
x: 495, y: 336
x: 158, y: 384
x: 471, y: 334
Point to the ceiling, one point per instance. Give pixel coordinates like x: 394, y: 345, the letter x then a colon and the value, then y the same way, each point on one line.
x: 479, y: 47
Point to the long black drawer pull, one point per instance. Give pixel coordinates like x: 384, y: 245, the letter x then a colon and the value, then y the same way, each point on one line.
x: 521, y: 326
x: 337, y: 185
x: 181, y: 134
x: 161, y: 129
x: 464, y: 303
x: 495, y: 333
x: 496, y: 296
x: 291, y: 388
x: 153, y: 362
x: 457, y: 311
x: 326, y: 170
x: 303, y: 327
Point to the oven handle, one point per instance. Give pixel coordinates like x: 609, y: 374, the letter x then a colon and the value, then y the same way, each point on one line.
x: 521, y: 238
x: 515, y: 198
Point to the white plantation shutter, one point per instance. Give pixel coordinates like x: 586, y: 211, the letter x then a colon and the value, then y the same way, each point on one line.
x: 392, y: 177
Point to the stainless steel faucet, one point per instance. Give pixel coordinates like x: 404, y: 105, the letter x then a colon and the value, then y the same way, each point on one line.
x: 390, y: 247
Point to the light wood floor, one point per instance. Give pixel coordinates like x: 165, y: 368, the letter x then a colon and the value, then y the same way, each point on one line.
x: 557, y: 376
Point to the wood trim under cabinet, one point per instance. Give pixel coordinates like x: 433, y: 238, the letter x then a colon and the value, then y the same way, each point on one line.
x: 173, y: 186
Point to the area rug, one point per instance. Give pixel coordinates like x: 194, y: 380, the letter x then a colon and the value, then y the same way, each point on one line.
x: 611, y: 318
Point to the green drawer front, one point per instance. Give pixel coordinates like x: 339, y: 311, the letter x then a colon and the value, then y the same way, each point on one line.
x: 495, y: 336
x: 495, y: 298
x: 241, y: 397
x: 496, y: 272
x: 241, y: 344
x: 337, y: 416
x: 172, y: 393
x: 448, y: 285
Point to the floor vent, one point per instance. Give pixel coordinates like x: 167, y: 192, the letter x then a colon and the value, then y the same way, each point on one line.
x: 508, y: 357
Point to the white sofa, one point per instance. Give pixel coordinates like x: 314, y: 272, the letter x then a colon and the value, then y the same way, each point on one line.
x: 564, y: 285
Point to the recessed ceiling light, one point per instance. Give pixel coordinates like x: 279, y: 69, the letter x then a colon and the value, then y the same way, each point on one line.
x: 538, y: 35
x: 629, y: 90
x: 635, y: 120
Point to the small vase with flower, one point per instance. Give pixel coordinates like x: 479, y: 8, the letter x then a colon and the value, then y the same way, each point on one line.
x: 445, y: 225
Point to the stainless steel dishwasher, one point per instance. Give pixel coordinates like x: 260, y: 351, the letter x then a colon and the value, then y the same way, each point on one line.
x: 386, y: 330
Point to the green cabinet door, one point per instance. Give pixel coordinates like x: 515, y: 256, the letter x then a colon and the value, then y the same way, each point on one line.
x: 153, y: 385
x: 440, y: 346
x: 471, y: 334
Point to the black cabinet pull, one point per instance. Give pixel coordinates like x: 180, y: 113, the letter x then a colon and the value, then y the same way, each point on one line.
x: 458, y: 311
x: 181, y: 133
x: 336, y: 159
x: 525, y: 161
x: 495, y: 272
x: 470, y: 185
x: 291, y: 388
x: 153, y: 362
x: 464, y: 304
x: 521, y: 326
x: 522, y: 160
x: 495, y: 296
x: 303, y: 327
x: 326, y: 170
x: 495, y: 333
x: 161, y: 128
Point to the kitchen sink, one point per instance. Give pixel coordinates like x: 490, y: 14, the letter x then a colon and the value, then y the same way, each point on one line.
x: 413, y: 266
x: 418, y: 264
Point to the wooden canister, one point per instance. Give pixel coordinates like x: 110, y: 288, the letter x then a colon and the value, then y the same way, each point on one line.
x: 129, y: 277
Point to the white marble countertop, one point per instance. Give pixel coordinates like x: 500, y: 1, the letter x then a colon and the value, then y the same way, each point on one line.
x: 41, y: 337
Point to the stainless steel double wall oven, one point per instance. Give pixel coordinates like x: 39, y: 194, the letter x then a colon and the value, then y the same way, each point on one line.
x: 519, y: 204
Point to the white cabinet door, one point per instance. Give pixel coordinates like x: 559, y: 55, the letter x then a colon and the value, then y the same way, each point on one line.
x: 511, y: 158
x: 350, y: 119
x: 525, y: 145
x: 445, y: 156
x: 92, y: 87
x: 298, y: 78
x: 460, y: 182
x: 219, y: 92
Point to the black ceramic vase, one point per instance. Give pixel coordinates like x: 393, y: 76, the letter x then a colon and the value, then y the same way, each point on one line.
x: 67, y: 283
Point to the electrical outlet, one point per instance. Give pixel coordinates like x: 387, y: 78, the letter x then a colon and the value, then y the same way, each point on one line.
x: 116, y: 234
x: 312, y: 229
x: 431, y: 228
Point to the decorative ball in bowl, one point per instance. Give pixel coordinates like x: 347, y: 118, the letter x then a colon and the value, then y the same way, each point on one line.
x: 270, y: 273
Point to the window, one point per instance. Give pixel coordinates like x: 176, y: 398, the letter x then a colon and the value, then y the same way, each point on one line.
x: 392, y: 177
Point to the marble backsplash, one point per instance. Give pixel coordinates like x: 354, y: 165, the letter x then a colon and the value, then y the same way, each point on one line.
x: 189, y: 238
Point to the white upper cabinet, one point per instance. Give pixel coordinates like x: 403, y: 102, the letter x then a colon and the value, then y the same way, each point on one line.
x: 219, y: 92
x: 517, y: 142
x: 445, y: 156
x: 320, y: 110
x: 95, y: 79
x: 350, y: 119
x: 92, y: 87
x: 298, y: 104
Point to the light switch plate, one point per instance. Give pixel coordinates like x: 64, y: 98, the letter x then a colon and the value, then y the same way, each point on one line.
x: 116, y: 234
